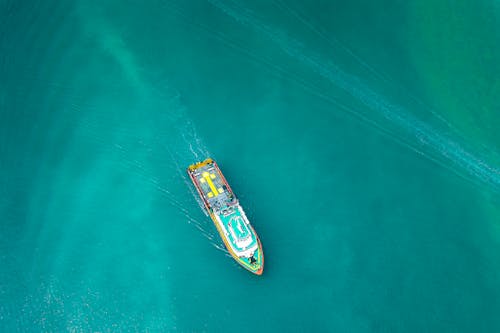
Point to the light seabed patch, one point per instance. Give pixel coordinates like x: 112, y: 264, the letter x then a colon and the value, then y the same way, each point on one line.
x: 181, y: 141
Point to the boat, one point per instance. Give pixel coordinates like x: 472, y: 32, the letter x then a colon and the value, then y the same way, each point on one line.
x: 221, y: 204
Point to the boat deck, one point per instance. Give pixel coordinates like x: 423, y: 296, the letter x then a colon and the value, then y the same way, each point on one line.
x: 238, y: 232
x: 213, y: 187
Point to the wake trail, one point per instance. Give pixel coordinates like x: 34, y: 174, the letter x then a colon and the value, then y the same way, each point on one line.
x: 174, y: 199
x: 281, y: 72
x: 276, y: 69
x: 331, y: 41
x: 423, y: 137
x: 206, y: 228
x: 383, y: 77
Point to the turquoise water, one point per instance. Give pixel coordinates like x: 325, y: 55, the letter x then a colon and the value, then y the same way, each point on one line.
x: 361, y: 138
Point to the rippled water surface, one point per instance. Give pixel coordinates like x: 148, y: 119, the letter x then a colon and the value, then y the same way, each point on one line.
x: 361, y: 137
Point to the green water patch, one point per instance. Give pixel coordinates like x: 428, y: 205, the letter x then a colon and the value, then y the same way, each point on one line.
x: 454, y: 45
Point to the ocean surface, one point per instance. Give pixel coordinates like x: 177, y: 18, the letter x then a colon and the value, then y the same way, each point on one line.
x: 361, y: 137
